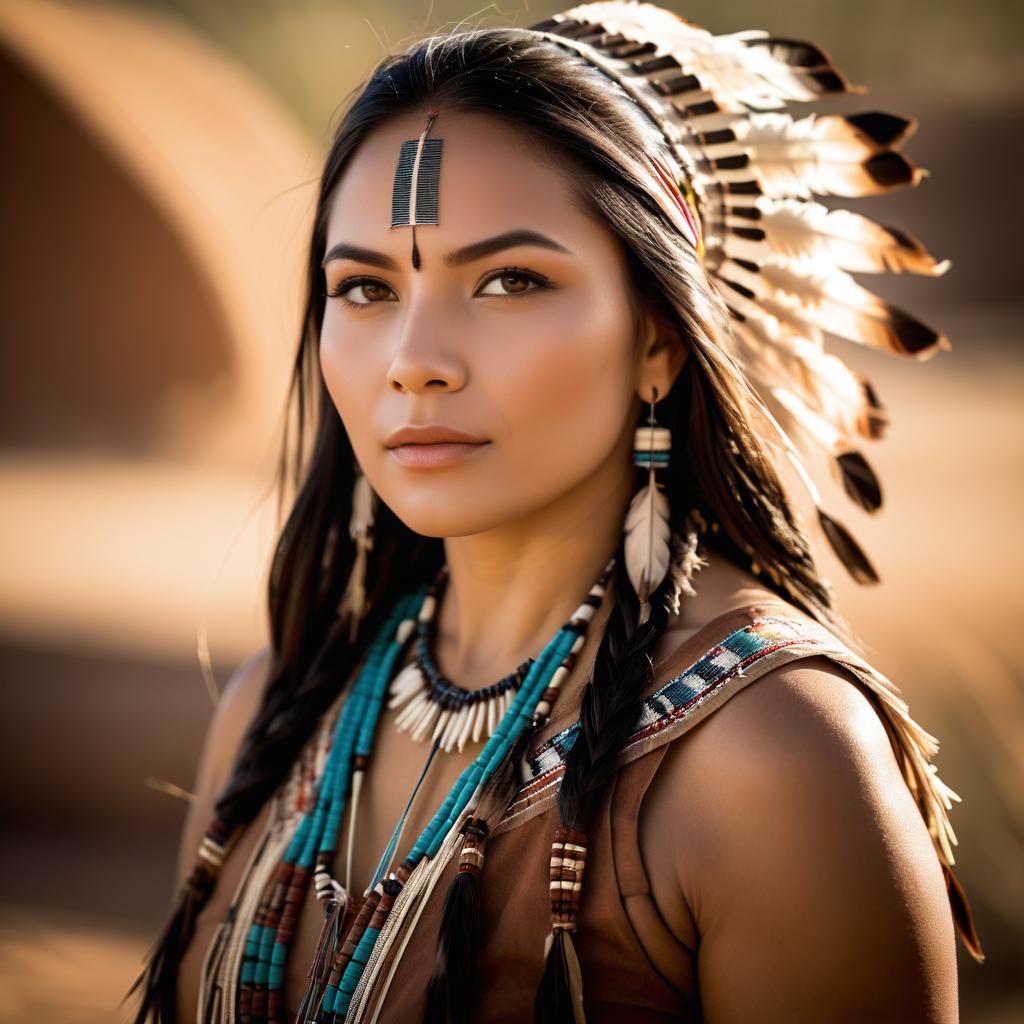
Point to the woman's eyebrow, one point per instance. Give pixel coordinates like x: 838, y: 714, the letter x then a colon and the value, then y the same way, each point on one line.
x: 457, y: 257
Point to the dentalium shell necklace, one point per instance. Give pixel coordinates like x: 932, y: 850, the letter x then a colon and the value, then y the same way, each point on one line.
x: 348, y: 936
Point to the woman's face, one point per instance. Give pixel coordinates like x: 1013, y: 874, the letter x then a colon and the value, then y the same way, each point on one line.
x: 525, y: 346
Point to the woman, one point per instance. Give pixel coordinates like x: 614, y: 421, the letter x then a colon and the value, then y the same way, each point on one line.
x: 531, y: 393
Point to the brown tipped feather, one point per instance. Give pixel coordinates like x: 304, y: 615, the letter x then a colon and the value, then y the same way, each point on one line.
x: 849, y: 551
x: 962, y: 916
x: 882, y: 129
x: 859, y: 480
x: 796, y: 231
x: 837, y: 304
x: 875, y: 421
x: 798, y: 52
x: 892, y: 170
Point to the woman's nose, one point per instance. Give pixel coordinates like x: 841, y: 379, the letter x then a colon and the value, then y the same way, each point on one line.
x: 422, y: 362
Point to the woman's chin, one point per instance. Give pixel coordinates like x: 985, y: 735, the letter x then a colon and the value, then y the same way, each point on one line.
x: 450, y: 515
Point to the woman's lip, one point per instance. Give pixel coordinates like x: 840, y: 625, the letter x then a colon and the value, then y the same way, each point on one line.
x: 427, y: 456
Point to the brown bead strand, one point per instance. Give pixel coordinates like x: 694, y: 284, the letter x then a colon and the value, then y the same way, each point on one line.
x: 386, y: 899
x: 253, y: 998
x: 287, y: 918
x: 568, y: 859
x: 344, y: 952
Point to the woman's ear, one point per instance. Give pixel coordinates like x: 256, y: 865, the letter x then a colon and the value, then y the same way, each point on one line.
x: 662, y: 355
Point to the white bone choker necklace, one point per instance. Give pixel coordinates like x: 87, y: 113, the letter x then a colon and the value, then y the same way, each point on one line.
x: 436, y: 709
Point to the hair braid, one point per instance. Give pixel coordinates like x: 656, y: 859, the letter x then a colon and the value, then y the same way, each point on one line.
x: 608, y: 715
x: 611, y: 700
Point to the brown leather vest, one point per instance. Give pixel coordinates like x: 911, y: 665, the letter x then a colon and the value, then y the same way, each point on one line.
x: 620, y: 980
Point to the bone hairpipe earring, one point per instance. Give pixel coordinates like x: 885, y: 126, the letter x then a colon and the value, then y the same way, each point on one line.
x: 415, y: 191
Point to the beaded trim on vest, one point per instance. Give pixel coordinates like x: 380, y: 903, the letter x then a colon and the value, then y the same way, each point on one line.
x: 745, y: 654
x: 666, y: 707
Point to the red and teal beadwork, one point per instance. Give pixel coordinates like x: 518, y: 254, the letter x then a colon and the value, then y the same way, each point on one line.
x: 262, y: 969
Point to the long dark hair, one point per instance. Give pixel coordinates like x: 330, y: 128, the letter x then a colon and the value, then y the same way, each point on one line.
x: 719, y: 465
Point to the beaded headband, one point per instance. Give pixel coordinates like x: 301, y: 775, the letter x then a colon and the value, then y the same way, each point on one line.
x: 739, y: 183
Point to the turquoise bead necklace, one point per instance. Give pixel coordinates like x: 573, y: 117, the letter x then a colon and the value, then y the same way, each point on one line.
x: 348, y: 936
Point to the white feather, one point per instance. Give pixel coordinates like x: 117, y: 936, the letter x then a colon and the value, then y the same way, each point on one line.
x: 646, y: 543
x: 810, y: 233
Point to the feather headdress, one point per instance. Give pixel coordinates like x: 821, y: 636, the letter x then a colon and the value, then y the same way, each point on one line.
x: 743, y: 192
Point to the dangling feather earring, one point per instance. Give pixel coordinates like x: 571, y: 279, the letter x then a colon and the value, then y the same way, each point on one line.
x: 647, y: 532
x: 360, y: 529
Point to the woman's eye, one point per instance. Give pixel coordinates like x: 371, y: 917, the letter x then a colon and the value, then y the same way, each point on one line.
x: 360, y: 291
x: 512, y: 281
x: 367, y: 291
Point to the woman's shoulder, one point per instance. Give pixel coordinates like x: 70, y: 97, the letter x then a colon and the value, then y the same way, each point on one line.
x: 780, y: 814
x: 766, y: 689
x: 810, y: 714
x: 784, y: 715
x: 237, y: 706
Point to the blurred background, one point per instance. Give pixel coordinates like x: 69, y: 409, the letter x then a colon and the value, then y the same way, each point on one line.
x: 157, y: 187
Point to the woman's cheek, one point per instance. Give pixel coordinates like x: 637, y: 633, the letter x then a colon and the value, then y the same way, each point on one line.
x: 348, y: 382
x: 563, y: 400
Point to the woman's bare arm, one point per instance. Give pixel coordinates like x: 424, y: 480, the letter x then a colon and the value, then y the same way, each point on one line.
x: 236, y: 708
x: 820, y: 896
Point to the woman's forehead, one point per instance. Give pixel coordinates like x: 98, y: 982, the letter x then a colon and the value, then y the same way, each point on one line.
x: 489, y: 176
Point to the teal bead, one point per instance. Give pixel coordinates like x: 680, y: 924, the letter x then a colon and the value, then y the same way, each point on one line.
x: 262, y: 974
x: 328, y: 1000
x: 252, y: 945
x: 354, y: 970
x: 359, y: 711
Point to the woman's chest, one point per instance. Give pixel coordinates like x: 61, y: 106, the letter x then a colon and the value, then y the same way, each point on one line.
x: 633, y: 967
x: 636, y: 926
x: 397, y: 764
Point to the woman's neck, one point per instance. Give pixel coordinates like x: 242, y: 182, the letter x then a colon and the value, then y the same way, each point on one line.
x: 510, y: 589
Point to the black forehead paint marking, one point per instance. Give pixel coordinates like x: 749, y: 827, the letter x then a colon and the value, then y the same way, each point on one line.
x: 416, y: 186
